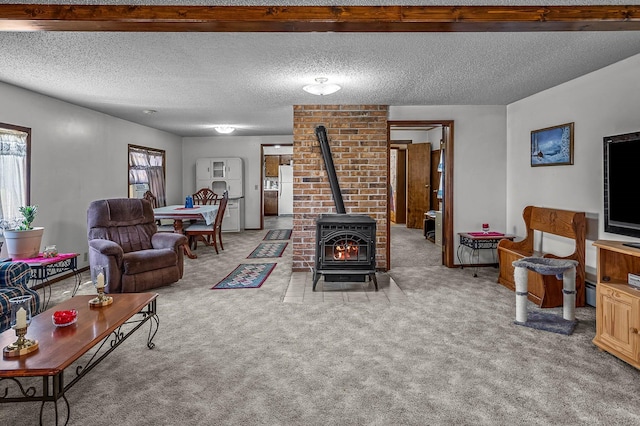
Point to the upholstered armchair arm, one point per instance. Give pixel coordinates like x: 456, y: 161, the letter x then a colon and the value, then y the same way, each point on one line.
x: 169, y: 240
x: 107, y: 248
x: 14, y: 280
x: 14, y: 274
x: 110, y: 255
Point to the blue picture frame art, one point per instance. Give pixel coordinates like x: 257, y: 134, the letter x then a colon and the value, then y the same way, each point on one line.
x: 552, y: 146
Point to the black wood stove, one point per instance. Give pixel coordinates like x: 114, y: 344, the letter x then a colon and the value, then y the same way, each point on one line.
x: 345, y: 243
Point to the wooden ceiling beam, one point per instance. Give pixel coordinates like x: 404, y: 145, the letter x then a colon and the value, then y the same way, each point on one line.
x: 55, y: 17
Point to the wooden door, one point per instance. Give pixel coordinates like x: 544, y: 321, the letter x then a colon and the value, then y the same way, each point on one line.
x: 399, y: 184
x: 418, y: 183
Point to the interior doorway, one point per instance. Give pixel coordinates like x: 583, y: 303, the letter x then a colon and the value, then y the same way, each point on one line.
x: 276, y: 177
x: 428, y: 188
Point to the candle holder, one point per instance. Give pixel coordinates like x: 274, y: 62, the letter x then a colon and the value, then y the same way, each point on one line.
x: 101, y: 300
x: 20, y: 320
x: 98, y: 277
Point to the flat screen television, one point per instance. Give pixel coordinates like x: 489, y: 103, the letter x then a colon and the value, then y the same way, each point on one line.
x: 621, y: 193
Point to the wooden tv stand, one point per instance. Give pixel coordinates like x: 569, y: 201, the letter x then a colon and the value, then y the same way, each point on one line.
x: 618, y: 303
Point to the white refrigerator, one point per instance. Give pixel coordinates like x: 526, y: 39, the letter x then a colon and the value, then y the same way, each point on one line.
x: 285, y: 190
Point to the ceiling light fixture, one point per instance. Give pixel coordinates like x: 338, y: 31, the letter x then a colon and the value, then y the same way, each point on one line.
x: 224, y: 129
x: 321, y: 88
x: 149, y: 111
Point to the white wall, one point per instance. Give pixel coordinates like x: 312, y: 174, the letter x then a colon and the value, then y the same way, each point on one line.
x: 603, y: 103
x: 79, y: 155
x: 479, y: 161
x: 432, y: 136
x: 283, y: 150
x: 415, y: 136
x: 245, y: 147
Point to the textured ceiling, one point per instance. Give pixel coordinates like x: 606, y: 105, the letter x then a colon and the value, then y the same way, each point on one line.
x: 251, y: 80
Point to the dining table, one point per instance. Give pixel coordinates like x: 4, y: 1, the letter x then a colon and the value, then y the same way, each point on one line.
x: 179, y: 213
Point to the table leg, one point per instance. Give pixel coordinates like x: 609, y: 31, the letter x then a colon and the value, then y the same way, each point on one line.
x: 188, y: 252
x: 154, y: 323
x: 471, y: 254
x: 78, y: 277
x: 57, y: 393
x: 41, y: 284
x: 45, y: 298
x: 177, y: 228
x: 475, y: 253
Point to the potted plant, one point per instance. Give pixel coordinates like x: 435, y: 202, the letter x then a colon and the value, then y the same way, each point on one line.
x: 24, y: 241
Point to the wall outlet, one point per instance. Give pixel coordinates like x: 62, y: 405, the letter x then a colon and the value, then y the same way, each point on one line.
x: 86, y: 256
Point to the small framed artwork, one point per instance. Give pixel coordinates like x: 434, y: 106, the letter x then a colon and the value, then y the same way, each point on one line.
x: 552, y: 146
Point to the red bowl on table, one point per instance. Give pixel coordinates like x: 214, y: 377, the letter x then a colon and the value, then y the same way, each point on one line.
x: 64, y: 318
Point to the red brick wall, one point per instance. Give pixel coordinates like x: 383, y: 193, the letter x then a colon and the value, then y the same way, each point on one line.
x: 357, y: 136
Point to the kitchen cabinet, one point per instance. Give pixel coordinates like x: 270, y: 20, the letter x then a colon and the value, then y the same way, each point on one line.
x: 220, y: 174
x: 285, y: 160
x: 233, y: 219
x: 271, y: 163
x: 219, y: 168
x: 224, y: 174
x: 617, y: 303
x: 270, y: 203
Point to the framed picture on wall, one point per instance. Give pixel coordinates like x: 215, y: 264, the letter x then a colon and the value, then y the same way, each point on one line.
x: 552, y: 146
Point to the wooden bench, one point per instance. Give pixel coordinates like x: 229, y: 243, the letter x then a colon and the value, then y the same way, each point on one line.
x: 545, y: 290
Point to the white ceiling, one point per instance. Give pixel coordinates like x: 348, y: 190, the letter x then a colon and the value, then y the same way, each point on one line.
x: 251, y: 80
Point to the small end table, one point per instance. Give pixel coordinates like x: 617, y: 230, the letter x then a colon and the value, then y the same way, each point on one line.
x: 44, y: 268
x: 473, y: 242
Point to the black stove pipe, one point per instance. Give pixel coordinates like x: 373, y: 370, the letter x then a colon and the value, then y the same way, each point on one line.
x: 321, y: 134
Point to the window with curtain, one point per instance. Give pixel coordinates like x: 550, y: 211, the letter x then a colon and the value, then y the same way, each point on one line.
x: 15, y: 150
x: 146, y: 172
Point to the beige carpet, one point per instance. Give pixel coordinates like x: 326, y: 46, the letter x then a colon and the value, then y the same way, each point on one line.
x: 448, y: 354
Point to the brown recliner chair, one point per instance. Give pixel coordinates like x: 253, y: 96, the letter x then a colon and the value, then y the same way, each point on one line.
x: 123, y: 237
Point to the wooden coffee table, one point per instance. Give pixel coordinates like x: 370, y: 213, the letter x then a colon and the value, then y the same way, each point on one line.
x: 60, y: 347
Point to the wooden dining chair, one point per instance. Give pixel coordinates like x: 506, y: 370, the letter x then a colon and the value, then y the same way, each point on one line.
x: 151, y: 198
x: 209, y: 234
x: 205, y: 196
x: 166, y: 226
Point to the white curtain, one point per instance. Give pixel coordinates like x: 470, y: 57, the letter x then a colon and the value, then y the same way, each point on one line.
x: 146, y: 166
x: 156, y: 177
x: 13, y: 175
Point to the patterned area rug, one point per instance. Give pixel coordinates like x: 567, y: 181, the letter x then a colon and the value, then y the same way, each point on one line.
x: 246, y: 275
x: 548, y: 322
x: 268, y: 250
x: 278, y: 234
